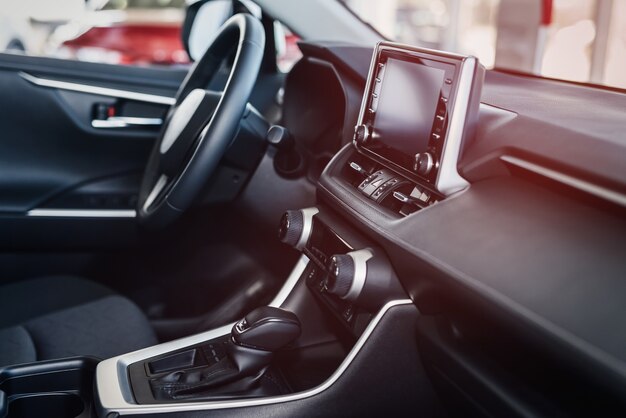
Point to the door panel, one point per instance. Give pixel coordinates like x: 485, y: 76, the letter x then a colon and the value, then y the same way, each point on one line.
x: 52, y: 157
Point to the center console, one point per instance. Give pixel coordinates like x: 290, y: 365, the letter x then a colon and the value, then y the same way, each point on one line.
x: 312, y: 341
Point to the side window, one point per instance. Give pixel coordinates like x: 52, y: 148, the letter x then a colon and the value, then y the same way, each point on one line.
x: 130, y: 32
x: 127, y: 32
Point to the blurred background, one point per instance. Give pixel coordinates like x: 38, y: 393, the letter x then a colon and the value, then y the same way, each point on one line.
x: 577, y: 40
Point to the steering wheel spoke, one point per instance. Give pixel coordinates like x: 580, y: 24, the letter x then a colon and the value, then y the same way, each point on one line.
x: 156, y: 192
x: 202, y: 124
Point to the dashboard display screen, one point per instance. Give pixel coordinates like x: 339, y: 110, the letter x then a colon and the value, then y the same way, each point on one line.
x: 419, y: 108
x: 407, y: 102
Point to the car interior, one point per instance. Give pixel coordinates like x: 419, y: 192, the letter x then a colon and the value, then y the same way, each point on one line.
x: 383, y: 230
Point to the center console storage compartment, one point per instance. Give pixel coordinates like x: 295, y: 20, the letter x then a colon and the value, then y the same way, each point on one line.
x: 54, y: 389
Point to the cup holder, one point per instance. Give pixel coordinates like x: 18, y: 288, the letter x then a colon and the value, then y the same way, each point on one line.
x: 53, y: 405
x: 55, y: 389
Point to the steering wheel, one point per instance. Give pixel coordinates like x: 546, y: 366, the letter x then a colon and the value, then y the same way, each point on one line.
x: 200, y: 126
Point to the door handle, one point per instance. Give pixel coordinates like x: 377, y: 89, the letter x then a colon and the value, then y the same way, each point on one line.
x: 125, y: 122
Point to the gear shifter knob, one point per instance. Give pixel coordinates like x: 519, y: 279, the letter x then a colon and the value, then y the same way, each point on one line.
x: 266, y: 328
x: 256, y: 337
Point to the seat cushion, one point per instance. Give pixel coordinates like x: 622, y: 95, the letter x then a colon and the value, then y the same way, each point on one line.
x: 16, y: 346
x: 103, y: 325
x: 26, y: 299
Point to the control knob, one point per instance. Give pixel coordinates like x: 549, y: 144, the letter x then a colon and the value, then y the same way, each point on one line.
x: 340, y: 275
x: 423, y: 163
x: 364, y: 277
x: 295, y: 227
x: 361, y: 134
x: 347, y: 274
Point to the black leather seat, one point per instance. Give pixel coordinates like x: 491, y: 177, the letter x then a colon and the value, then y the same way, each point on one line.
x: 56, y: 317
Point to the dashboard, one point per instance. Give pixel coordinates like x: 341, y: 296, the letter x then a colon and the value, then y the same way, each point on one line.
x: 517, y: 264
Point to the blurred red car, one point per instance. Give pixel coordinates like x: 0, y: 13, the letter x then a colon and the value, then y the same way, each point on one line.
x: 130, y: 43
x: 148, y: 37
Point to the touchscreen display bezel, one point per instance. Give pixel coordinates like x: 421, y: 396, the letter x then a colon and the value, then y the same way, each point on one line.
x: 459, y: 98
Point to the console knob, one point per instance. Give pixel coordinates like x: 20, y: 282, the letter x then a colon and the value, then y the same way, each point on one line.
x: 347, y: 273
x: 423, y: 163
x: 340, y: 274
x: 361, y: 134
x: 295, y: 227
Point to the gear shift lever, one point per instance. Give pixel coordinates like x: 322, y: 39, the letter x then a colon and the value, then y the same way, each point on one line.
x: 257, y: 336
x: 253, y: 341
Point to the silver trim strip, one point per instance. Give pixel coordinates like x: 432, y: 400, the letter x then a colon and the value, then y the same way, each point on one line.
x: 82, y: 213
x: 100, y: 91
x: 448, y: 178
x: 114, y: 390
x: 582, y: 185
x: 134, y: 409
x: 291, y: 281
x: 360, y: 258
x: 125, y: 122
x: 307, y: 226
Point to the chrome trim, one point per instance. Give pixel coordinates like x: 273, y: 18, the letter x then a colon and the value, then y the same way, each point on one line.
x: 82, y: 213
x: 126, y: 408
x: 307, y: 226
x: 100, y: 91
x: 579, y: 184
x: 291, y: 281
x: 360, y: 258
x: 401, y: 197
x: 125, y: 122
x: 448, y: 179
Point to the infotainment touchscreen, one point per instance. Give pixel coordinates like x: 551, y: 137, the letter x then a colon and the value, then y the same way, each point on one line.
x: 405, y: 88
x: 418, y: 108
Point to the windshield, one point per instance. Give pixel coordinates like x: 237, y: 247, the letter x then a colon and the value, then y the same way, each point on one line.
x: 576, y: 40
